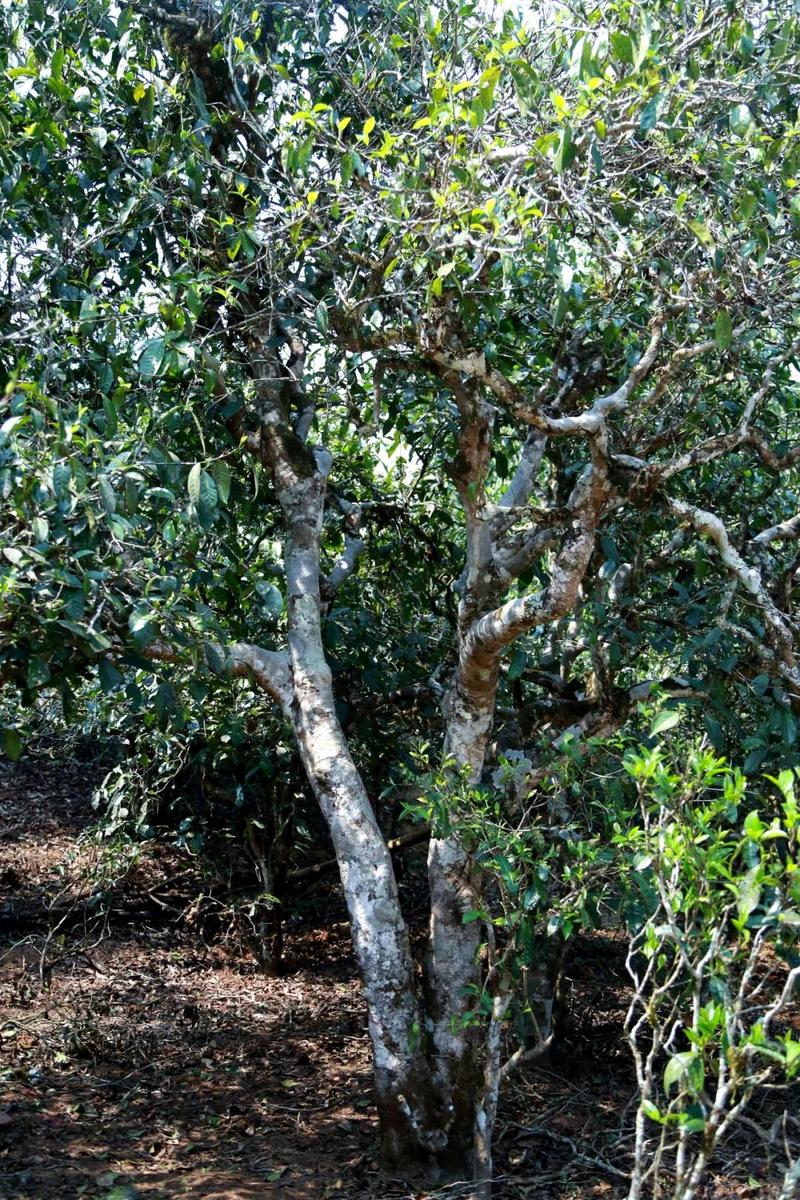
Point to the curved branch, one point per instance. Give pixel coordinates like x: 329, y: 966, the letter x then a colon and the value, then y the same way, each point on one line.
x: 270, y: 669
x: 775, y: 462
x: 354, y: 547
x: 523, y: 480
x: 784, y: 531
x: 473, y: 364
x: 749, y: 577
x: 490, y: 633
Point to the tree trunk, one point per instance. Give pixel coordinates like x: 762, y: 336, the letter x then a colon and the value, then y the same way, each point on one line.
x: 410, y: 1121
x: 455, y: 884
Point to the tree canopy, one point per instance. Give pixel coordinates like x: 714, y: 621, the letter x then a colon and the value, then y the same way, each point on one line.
x: 423, y: 200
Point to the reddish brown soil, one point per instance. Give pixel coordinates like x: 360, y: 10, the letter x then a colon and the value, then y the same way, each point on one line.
x: 156, y: 1065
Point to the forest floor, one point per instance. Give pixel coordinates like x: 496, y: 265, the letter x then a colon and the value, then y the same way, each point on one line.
x: 138, y: 1060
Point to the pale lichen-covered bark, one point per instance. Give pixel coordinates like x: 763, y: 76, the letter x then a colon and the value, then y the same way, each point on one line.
x: 453, y: 969
x: 380, y: 937
x: 486, y: 627
x: 410, y: 1123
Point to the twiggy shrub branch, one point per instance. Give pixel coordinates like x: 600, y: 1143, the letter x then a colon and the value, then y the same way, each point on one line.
x: 713, y: 962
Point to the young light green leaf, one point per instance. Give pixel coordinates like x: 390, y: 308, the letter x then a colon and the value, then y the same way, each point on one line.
x: 666, y: 719
x: 741, y: 119
x: 193, y: 483
x: 702, y: 233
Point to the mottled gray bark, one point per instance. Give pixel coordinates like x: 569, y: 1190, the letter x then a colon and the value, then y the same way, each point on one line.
x: 380, y: 937
x: 411, y: 1123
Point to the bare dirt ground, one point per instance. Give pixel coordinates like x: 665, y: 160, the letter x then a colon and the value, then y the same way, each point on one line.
x: 137, y: 1060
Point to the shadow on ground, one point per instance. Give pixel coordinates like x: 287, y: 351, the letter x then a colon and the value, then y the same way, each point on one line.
x: 159, y: 1066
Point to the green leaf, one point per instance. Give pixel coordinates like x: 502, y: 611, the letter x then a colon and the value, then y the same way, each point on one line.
x: 715, y: 733
x: 792, y: 1048
x: 193, y: 483
x: 748, y: 893
x: 151, y: 358
x: 131, y: 496
x: 40, y: 528
x: 321, y: 319
x: 203, y: 494
x: 140, y: 620
x: 649, y: 115
x: 642, y: 47
x: 666, y: 719
x: 88, y: 314
x: 107, y: 495
x: 110, y: 677
x: 623, y: 47
x: 221, y: 473
x: 474, y: 914
x: 112, y: 419
x: 62, y: 475
x: 11, y: 743
x: 753, y: 826
x: 723, y: 329
x: 741, y: 119
x: 38, y: 672
x: 686, y: 1071
x: 566, y: 151
x: 165, y: 702
x: 214, y: 660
